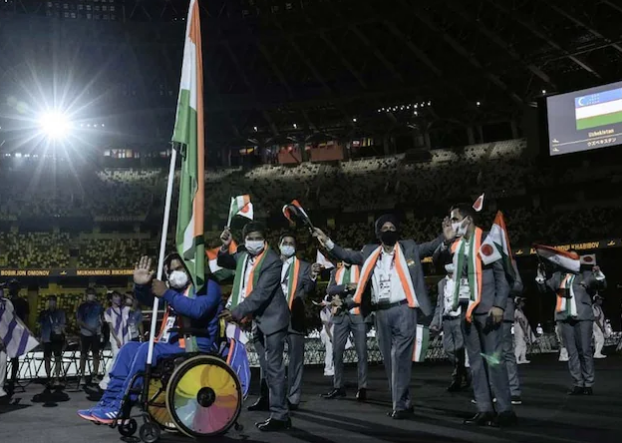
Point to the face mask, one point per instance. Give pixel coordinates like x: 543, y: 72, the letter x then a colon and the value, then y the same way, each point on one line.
x: 90, y: 298
x: 178, y: 279
x: 254, y: 247
x: 460, y: 228
x: 288, y: 250
x: 116, y: 301
x: 449, y: 268
x: 388, y: 238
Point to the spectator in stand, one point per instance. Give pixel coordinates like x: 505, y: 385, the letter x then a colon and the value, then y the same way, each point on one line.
x: 90, y: 319
x: 53, y: 322
x: 137, y: 329
x: 118, y: 318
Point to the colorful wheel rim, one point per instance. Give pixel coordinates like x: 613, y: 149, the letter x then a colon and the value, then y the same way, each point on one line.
x: 157, y: 406
x: 204, y: 397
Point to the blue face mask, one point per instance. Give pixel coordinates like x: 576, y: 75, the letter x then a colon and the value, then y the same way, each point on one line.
x: 288, y: 250
x: 254, y: 247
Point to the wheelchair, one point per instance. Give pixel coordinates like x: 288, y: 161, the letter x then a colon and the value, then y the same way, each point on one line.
x: 195, y: 394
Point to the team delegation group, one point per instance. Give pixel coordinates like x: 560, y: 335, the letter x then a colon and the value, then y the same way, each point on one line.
x: 475, y: 311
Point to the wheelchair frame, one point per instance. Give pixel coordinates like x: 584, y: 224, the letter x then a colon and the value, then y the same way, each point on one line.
x: 150, y: 430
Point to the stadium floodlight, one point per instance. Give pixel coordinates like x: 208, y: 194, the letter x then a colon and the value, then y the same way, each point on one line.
x: 55, y: 124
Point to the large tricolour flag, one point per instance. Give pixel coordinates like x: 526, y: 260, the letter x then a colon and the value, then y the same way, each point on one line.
x: 218, y: 272
x: 14, y: 334
x: 600, y: 109
x: 190, y: 137
x: 569, y: 261
x: 497, y: 246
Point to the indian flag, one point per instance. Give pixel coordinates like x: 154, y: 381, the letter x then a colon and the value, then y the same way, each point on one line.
x: 600, y: 109
x: 240, y: 205
x: 189, y: 135
x: 421, y: 343
x: 219, y: 273
x: 497, y: 246
x: 569, y: 261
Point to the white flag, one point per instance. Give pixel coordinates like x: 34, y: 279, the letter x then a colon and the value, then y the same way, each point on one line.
x: 327, y: 264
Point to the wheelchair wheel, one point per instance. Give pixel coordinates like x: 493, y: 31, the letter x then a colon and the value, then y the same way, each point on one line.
x: 128, y: 428
x: 149, y: 432
x: 204, y: 397
x: 157, y: 406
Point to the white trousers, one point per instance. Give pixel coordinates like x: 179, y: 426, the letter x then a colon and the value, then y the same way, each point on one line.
x: 115, y: 351
x: 3, y: 360
x: 599, y: 341
x: 329, y: 366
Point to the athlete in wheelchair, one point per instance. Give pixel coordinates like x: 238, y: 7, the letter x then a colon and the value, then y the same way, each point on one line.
x: 195, y: 392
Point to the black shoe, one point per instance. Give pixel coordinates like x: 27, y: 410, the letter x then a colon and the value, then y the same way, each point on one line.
x: 272, y: 425
x: 482, y: 419
x: 262, y: 404
x: 505, y: 419
x: 577, y: 390
x: 335, y: 393
x: 516, y: 400
x: 588, y: 391
x: 292, y: 406
x: 454, y: 386
x: 401, y: 415
x: 361, y: 395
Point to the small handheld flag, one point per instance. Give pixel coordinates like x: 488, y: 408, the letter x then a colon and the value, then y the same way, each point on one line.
x: 479, y: 203
x: 294, y: 209
x: 242, y: 206
x: 326, y: 264
x: 422, y: 341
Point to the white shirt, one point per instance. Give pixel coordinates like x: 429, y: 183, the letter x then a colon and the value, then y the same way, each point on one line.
x: 386, y: 284
x: 448, y: 299
x: 284, y: 271
x: 248, y: 267
x: 119, y: 319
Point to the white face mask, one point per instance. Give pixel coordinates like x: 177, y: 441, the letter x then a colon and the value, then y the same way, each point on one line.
x: 178, y: 279
x: 254, y: 247
x: 288, y: 250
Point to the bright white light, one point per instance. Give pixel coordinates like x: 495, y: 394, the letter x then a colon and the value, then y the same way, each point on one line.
x: 354, y: 120
x: 55, y: 124
x: 544, y: 91
x: 295, y: 126
x: 478, y: 103
x: 255, y: 128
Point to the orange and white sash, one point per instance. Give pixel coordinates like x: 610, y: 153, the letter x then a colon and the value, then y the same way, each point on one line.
x: 474, y: 270
x: 402, y: 272
x: 170, y: 321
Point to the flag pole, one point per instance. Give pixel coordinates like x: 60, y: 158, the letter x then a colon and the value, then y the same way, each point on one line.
x: 162, y: 255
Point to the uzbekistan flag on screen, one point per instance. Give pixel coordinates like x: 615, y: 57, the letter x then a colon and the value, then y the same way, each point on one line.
x: 600, y: 109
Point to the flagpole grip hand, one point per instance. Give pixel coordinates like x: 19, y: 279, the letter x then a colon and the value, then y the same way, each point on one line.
x: 226, y: 238
x: 321, y: 237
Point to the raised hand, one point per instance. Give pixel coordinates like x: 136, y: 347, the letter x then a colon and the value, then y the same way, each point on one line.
x: 226, y: 238
x: 448, y: 230
x: 142, y: 272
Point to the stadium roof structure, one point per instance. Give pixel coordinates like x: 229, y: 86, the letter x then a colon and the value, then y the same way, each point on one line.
x: 279, y: 69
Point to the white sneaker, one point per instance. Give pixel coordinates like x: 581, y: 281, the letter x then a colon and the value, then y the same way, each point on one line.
x: 600, y: 356
x: 329, y: 374
x: 563, y: 358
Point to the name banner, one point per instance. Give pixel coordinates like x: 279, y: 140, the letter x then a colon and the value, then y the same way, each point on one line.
x: 585, y: 246
x: 65, y: 272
